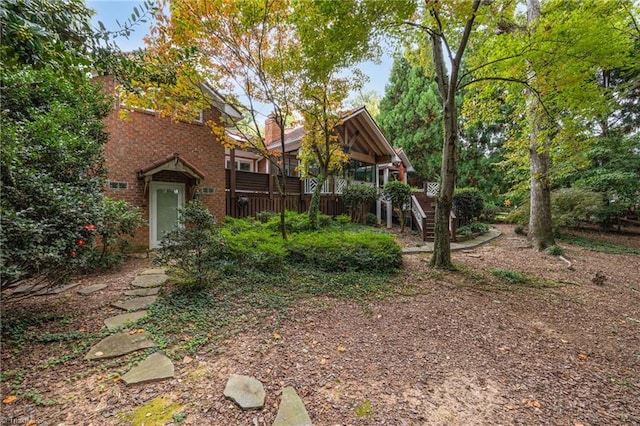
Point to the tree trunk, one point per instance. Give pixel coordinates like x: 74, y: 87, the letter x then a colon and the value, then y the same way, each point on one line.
x: 442, y: 243
x: 540, y: 224
x: 283, y: 176
x: 448, y: 87
x: 314, y: 207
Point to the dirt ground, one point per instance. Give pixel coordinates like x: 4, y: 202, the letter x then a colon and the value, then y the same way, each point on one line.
x: 454, y: 349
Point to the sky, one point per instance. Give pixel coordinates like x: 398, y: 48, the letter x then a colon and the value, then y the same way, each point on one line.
x: 108, y: 11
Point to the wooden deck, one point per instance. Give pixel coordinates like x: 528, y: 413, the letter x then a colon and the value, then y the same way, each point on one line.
x: 249, y: 193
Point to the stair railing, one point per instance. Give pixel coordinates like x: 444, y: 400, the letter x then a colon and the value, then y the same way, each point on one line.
x: 420, y: 216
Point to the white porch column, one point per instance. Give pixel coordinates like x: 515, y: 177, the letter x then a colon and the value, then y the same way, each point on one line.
x: 378, y: 201
x: 389, y: 207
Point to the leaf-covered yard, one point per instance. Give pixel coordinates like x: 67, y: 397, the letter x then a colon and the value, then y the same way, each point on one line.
x: 467, y: 347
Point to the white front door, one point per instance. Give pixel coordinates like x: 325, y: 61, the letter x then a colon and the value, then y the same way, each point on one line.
x: 165, y: 200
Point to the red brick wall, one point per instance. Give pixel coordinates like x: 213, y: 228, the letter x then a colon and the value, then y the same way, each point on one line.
x: 146, y: 137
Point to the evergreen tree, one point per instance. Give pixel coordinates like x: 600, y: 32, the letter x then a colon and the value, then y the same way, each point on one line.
x: 411, y: 117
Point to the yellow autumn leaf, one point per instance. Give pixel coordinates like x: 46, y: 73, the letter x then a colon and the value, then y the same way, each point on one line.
x: 9, y: 399
x: 582, y: 357
x: 341, y: 348
x: 323, y: 361
x: 32, y: 422
x: 277, y: 336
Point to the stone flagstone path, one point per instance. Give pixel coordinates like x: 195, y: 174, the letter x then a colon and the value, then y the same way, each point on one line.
x: 157, y: 366
x: 247, y: 392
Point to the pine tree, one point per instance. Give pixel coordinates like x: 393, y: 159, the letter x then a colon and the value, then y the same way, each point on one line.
x: 411, y: 117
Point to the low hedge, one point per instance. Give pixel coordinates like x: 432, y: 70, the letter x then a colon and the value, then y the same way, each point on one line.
x: 345, y: 251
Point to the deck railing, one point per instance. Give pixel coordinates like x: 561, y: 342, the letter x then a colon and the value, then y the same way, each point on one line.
x: 419, y: 215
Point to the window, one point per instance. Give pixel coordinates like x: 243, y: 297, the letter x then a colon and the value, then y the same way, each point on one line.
x: 118, y: 185
x: 242, y: 165
x: 359, y: 171
x: 208, y: 191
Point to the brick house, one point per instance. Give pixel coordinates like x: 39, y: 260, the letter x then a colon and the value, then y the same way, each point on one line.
x: 157, y: 164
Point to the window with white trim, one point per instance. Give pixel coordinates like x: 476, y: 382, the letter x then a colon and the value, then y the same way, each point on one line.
x: 242, y: 165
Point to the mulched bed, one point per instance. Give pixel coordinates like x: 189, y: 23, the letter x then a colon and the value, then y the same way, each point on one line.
x: 452, y: 348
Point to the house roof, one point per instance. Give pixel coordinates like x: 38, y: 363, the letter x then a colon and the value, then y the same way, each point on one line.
x: 292, y: 139
x: 173, y: 163
x: 220, y: 102
x: 405, y: 160
x: 359, y: 132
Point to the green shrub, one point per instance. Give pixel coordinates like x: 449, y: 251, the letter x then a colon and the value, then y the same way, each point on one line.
x: 343, y: 219
x: 511, y: 277
x: 118, y: 219
x: 258, y: 249
x: 235, y: 225
x: 473, y: 228
x: 297, y: 222
x: 574, y: 206
x: 356, y: 197
x: 372, y: 219
x: 342, y: 251
x: 569, y: 207
x: 324, y: 220
x: 555, y: 250
x: 52, y: 138
x: 265, y: 216
x: 399, y: 194
x: 520, y: 214
x: 490, y: 212
x: 194, y: 248
x: 468, y: 204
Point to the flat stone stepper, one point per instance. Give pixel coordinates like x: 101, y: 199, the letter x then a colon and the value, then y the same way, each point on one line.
x: 245, y: 391
x: 156, y: 367
x: 149, y: 280
x: 135, y: 303
x: 119, y: 344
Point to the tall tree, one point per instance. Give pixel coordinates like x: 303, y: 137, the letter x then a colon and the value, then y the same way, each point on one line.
x: 334, y: 37
x: 247, y: 48
x: 448, y: 27
x: 321, y: 150
x: 553, y: 53
x: 411, y: 116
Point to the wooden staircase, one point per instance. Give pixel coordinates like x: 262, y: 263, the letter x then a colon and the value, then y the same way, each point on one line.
x: 423, y: 209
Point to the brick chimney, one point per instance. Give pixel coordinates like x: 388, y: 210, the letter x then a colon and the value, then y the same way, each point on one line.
x: 271, y: 129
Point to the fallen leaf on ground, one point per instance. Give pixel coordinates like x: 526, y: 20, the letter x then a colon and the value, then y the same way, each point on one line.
x: 341, y: 348
x: 582, y: 357
x: 277, y: 336
x: 9, y: 399
x: 32, y: 423
x: 531, y: 403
